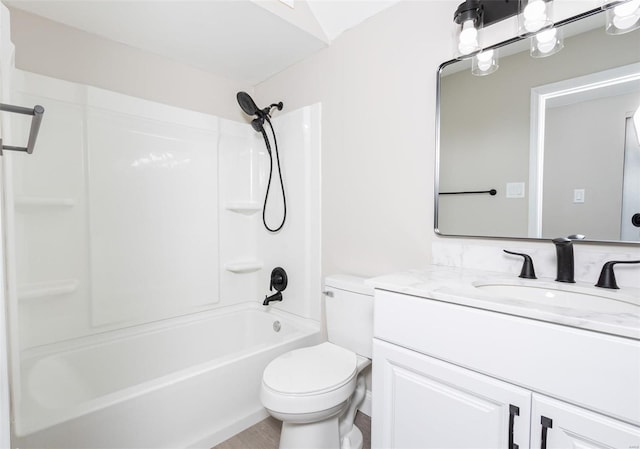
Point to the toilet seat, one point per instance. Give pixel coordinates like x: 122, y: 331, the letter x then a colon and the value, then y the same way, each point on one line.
x: 311, y: 370
x: 309, y: 380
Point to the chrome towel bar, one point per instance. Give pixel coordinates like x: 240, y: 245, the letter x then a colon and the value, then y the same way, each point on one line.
x: 37, y: 112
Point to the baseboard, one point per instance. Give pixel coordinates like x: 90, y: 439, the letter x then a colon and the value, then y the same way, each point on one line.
x: 365, y: 407
x: 232, y: 429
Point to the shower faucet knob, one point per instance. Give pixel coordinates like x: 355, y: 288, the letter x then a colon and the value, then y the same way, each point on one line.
x: 279, y: 279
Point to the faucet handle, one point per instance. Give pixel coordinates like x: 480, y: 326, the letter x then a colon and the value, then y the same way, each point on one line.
x: 607, y: 277
x: 527, y: 271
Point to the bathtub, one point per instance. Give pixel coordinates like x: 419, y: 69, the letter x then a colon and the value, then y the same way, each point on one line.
x: 187, y: 382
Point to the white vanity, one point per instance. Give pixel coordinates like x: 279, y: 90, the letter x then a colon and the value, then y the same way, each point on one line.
x: 469, y: 359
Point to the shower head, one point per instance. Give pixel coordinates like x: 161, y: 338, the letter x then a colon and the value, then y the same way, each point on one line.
x: 247, y: 104
x: 249, y: 107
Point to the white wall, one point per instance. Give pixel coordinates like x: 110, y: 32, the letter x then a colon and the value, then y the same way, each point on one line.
x: 49, y: 48
x: 591, y: 134
x: 377, y: 83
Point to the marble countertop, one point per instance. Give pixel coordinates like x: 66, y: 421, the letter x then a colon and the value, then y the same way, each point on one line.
x: 618, y: 314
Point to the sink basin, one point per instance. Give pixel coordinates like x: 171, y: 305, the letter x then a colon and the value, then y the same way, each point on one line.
x: 576, y: 298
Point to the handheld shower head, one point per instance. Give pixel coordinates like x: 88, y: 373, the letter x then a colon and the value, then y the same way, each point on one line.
x: 261, y: 115
x: 249, y: 107
x: 247, y: 104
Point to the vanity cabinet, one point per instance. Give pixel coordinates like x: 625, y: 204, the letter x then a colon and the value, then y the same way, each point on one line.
x: 421, y: 402
x: 450, y: 376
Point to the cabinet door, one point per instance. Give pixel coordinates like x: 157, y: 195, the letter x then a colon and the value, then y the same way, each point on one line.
x: 568, y: 426
x: 422, y: 402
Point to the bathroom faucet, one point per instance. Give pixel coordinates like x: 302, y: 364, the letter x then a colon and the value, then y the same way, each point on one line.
x: 277, y: 296
x: 279, y: 281
x: 564, y: 254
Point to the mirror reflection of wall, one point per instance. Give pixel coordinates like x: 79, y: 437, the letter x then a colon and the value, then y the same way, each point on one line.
x: 589, y: 135
x: 485, y: 142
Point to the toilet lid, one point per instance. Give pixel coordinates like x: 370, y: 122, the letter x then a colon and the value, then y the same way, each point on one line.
x: 311, y: 370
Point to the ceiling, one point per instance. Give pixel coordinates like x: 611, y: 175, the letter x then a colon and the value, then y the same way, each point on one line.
x: 244, y: 40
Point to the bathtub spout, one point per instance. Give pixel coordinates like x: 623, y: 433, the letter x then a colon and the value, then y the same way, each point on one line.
x: 277, y: 296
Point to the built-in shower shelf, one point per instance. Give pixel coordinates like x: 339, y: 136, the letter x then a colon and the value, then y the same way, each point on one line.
x: 244, y: 266
x: 48, y: 289
x: 37, y: 201
x: 243, y: 207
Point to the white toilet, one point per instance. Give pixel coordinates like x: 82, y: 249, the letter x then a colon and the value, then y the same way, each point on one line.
x: 316, y: 391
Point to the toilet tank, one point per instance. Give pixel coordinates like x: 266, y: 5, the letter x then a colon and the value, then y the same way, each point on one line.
x: 349, y: 313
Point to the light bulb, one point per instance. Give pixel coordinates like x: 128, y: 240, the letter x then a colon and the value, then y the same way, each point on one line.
x: 535, y: 10
x: 625, y: 22
x: 484, y: 65
x: 485, y: 60
x: 469, y: 34
x: 546, y: 41
x: 547, y: 35
x: 486, y: 55
x: 535, y: 16
x: 546, y: 47
x: 468, y: 39
x: 627, y: 8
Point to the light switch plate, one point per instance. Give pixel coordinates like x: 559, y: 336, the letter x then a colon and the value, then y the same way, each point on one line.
x: 515, y: 190
x: 578, y: 196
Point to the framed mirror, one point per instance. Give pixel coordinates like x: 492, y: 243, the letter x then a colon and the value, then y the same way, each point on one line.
x: 551, y: 145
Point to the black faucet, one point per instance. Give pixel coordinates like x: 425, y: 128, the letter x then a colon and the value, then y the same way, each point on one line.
x: 278, y: 281
x: 277, y: 296
x: 564, y: 254
x: 607, y: 277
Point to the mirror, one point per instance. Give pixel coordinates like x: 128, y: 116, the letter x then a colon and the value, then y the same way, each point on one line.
x: 550, y: 143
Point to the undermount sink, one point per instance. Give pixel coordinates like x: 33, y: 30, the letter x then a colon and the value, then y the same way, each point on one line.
x: 566, y: 296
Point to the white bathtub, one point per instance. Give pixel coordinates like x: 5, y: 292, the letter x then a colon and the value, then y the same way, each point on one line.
x: 186, y: 382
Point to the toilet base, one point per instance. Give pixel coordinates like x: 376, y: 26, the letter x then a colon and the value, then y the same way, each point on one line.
x: 352, y: 440
x: 318, y: 435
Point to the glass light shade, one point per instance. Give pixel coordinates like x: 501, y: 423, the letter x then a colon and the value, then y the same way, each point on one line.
x: 622, y: 17
x: 534, y: 15
x: 467, y: 39
x: 546, y: 43
x: 484, y: 63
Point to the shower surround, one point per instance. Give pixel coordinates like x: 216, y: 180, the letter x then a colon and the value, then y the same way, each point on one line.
x: 137, y: 263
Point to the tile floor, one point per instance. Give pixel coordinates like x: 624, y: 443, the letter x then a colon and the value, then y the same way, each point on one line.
x: 266, y: 435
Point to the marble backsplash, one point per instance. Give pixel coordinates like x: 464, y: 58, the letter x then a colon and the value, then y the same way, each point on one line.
x: 489, y: 256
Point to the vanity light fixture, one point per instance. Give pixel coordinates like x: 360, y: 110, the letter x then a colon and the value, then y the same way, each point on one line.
x: 534, y: 19
x: 470, y: 18
x: 484, y: 62
x: 622, y: 16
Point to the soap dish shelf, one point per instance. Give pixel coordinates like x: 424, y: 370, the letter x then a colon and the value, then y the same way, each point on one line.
x: 244, y: 266
x: 243, y: 207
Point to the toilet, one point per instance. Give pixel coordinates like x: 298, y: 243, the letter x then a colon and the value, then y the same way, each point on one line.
x: 316, y: 391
